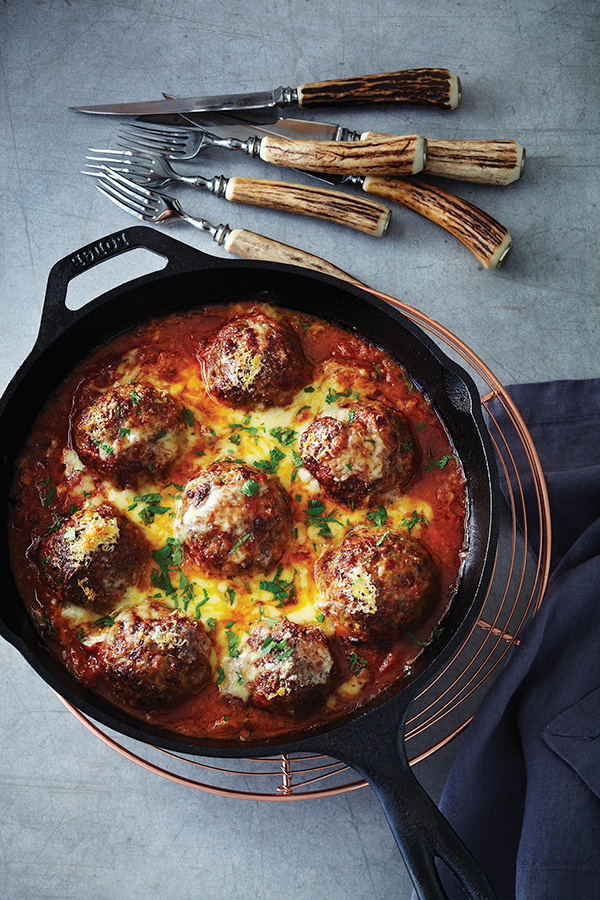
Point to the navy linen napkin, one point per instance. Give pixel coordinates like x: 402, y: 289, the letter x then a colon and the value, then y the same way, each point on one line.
x: 524, y: 791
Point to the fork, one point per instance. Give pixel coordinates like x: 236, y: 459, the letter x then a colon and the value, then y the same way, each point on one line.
x: 150, y: 206
x: 152, y: 170
x: 377, y: 155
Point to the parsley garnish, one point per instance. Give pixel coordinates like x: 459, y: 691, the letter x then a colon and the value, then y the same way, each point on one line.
x: 232, y: 643
x: 281, y: 590
x: 332, y: 395
x: 436, y: 634
x: 378, y: 517
x: 168, y: 559
x: 240, y: 542
x: 271, y: 465
x: 285, y: 436
x: 356, y: 664
x: 220, y: 675
x: 414, y: 520
x: 250, y: 487
x: 314, y: 515
x: 105, y: 622
x: 440, y: 463
x: 189, y: 416
x: 151, y: 509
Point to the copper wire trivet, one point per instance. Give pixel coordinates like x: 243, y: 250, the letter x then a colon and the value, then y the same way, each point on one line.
x: 444, y: 708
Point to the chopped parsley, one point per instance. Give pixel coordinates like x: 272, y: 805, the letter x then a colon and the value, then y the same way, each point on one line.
x: 250, y: 487
x: 240, y: 542
x: 189, y: 416
x: 232, y: 644
x: 440, y: 463
x: 436, y: 634
x: 106, y: 447
x: 104, y: 622
x: 282, y: 590
x: 285, y: 436
x: 315, y: 515
x: 414, y: 520
x: 152, y: 507
x: 123, y: 432
x: 356, y: 664
x: 220, y: 675
x: 271, y: 465
x: 378, y: 517
x: 332, y: 395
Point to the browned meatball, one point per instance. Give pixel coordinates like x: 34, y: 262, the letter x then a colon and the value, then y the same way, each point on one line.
x: 94, y: 557
x: 287, y: 667
x: 376, y: 584
x: 130, y: 433
x: 254, y: 361
x: 153, y: 662
x: 233, y: 517
x: 359, y: 449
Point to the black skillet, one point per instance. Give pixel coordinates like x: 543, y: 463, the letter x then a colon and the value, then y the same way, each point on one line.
x: 371, y: 740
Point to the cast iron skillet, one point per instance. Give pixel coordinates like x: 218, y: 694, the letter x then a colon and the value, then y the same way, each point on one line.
x: 370, y: 740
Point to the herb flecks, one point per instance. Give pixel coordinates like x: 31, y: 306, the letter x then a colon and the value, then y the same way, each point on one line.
x: 271, y: 465
x: 152, y: 507
x: 282, y: 590
x: 415, y: 519
x: 315, y: 515
x: 440, y: 463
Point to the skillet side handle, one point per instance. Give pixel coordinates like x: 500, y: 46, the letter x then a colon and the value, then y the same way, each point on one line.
x: 56, y: 316
x: 421, y: 831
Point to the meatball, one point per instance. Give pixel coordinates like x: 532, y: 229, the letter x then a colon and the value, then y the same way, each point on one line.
x: 287, y: 668
x: 129, y: 432
x: 93, y: 557
x: 154, y: 662
x: 233, y: 517
x: 376, y: 584
x: 359, y: 449
x: 254, y: 362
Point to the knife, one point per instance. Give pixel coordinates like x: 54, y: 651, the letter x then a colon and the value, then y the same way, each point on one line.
x: 425, y: 87
x: 497, y: 162
x: 488, y: 240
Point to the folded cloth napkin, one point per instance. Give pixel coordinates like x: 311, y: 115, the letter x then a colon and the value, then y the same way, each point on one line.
x: 524, y: 791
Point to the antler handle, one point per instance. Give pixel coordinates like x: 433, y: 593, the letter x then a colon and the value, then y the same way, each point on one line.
x: 424, y: 87
x: 486, y: 238
x: 334, y: 206
x: 249, y: 245
x: 380, y: 155
x: 484, y: 162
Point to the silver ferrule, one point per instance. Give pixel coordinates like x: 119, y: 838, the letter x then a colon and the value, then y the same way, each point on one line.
x: 220, y: 234
x: 286, y: 96
x: 344, y: 134
x: 216, y: 185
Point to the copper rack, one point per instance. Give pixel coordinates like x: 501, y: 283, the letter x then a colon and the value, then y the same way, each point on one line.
x: 444, y: 708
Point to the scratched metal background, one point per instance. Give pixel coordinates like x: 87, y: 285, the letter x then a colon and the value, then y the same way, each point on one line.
x: 76, y: 820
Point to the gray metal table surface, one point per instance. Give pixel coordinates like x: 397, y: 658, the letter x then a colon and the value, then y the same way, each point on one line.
x: 77, y: 820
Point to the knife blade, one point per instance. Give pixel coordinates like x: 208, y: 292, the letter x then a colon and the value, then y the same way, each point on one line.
x: 498, y: 162
x: 437, y: 88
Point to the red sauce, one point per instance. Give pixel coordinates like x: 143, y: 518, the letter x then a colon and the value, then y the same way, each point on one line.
x: 49, y: 485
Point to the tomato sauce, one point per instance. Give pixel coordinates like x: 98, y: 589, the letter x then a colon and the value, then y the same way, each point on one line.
x: 51, y: 483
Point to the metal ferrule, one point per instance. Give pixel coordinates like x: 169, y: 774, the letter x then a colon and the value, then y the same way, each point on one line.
x: 217, y: 185
x: 286, y: 96
x: 344, y: 134
x: 220, y: 234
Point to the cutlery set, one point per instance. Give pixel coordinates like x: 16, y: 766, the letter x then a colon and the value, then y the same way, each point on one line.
x: 382, y: 165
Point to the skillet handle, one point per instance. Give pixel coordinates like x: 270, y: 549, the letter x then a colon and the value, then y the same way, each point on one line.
x: 419, y: 828
x: 57, y: 317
